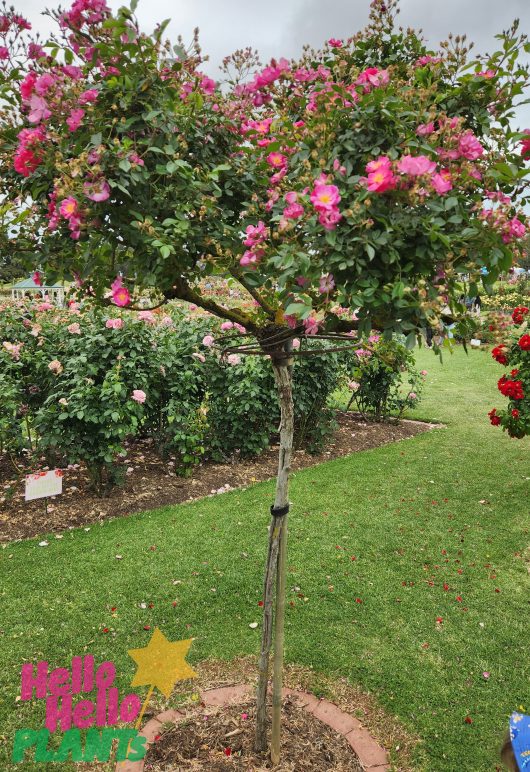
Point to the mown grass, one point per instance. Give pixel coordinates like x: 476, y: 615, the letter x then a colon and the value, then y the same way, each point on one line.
x: 447, y: 507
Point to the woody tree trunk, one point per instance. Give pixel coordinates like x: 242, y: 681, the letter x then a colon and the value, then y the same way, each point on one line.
x: 276, y: 565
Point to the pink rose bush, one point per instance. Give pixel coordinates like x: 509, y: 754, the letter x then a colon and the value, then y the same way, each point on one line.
x: 314, y: 205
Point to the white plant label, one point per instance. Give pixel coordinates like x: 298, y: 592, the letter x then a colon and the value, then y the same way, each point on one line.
x: 43, y: 484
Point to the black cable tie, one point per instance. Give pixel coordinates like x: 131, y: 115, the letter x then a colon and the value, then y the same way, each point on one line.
x: 279, y: 511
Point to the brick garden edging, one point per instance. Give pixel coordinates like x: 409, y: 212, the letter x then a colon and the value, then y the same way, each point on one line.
x: 371, y: 755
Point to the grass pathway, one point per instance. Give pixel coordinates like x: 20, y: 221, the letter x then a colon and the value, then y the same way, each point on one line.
x: 447, y: 507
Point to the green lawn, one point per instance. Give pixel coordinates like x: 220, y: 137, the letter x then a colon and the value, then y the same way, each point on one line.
x: 449, y: 506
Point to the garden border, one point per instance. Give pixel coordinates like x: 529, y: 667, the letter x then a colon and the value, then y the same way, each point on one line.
x: 371, y: 755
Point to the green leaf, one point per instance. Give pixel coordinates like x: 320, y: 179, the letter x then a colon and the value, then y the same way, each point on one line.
x: 398, y: 290
x: 296, y: 309
x: 451, y: 202
x: 410, y: 341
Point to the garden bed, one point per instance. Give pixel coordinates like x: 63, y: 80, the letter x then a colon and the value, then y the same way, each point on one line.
x: 221, y: 739
x: 151, y: 482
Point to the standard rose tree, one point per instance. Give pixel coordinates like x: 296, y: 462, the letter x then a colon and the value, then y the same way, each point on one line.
x: 353, y: 189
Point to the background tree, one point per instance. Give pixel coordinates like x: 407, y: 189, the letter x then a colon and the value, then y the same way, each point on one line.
x: 352, y: 190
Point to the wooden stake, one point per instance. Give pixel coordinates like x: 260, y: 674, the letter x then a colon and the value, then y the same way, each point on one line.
x: 279, y: 637
x: 276, y: 559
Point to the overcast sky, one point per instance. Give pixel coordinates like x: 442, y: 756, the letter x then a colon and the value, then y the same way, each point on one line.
x: 281, y: 27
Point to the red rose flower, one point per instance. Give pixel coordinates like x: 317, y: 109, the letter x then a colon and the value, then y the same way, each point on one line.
x: 524, y: 343
x: 499, y: 354
x: 513, y: 389
x: 494, y: 418
x: 515, y: 413
x: 519, y: 314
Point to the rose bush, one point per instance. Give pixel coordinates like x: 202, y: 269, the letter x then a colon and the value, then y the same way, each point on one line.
x: 383, y: 380
x: 515, y: 354
x: 76, y: 384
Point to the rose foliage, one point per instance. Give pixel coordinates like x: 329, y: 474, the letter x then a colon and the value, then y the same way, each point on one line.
x: 372, y: 175
x: 78, y: 386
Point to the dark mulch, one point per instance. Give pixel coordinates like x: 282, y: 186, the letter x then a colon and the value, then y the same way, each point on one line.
x: 221, y: 740
x: 151, y: 482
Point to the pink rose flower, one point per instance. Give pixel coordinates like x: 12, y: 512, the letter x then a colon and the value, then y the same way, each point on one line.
x: 469, y: 146
x: 69, y: 207
x: 88, y: 96
x: 147, y: 316
x: 255, y: 234
x: 424, y: 129
x: 208, y: 341
x: 372, y: 78
x: 327, y: 283
x: 74, y: 329
x: 293, y: 211
x: 415, y: 166
x: 39, y: 110
x: 330, y: 219
x: 442, y: 182
x: 114, y: 324
x: 35, y: 51
x: 139, y: 396
x: 44, y: 83
x: 74, y: 119
x: 277, y: 160
x: 97, y: 191
x: 311, y: 326
x: 121, y: 297
x: 325, y: 197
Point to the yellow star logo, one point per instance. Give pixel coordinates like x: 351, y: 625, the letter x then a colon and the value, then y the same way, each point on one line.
x: 162, y: 663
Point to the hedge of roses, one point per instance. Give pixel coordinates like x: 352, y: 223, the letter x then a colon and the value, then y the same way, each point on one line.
x: 76, y: 384
x: 515, y: 385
